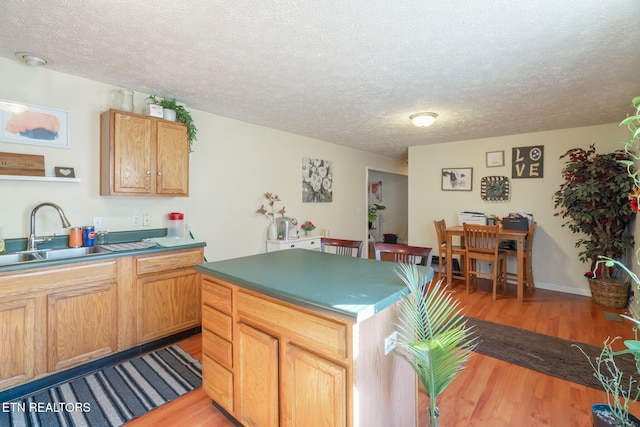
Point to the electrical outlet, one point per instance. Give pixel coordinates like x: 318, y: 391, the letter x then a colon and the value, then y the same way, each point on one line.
x: 390, y: 342
x: 136, y: 220
x: 146, y: 220
x: 97, y: 222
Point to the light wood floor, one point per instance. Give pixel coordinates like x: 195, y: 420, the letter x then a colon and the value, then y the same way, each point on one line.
x: 489, y: 392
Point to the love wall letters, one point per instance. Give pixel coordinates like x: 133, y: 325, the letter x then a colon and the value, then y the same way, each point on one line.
x: 527, y: 162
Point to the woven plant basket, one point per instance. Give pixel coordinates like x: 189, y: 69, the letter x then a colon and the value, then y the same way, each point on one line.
x: 609, y: 293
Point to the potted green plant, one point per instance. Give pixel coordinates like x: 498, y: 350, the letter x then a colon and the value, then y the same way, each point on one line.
x: 594, y: 201
x: 621, y: 388
x: 433, y: 336
x: 182, y: 116
x: 373, y: 213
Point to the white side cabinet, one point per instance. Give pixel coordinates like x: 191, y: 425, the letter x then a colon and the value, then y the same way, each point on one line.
x: 312, y: 243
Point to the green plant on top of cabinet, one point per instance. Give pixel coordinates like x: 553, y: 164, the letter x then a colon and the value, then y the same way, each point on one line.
x: 142, y: 156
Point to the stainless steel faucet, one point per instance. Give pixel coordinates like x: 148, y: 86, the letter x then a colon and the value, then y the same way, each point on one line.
x: 33, y: 240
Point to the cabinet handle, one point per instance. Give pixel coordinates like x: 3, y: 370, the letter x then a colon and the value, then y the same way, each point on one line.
x: 159, y: 173
x: 148, y: 172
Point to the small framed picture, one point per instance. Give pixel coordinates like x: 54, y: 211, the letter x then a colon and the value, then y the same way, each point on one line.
x: 457, y: 179
x: 63, y: 172
x: 495, y: 159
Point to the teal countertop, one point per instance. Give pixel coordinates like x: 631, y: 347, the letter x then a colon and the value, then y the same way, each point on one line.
x: 355, y: 288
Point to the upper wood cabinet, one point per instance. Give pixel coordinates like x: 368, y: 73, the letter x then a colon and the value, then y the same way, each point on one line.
x: 142, y: 156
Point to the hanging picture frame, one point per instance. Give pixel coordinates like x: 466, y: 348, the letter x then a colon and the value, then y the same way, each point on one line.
x: 495, y: 159
x: 317, y: 180
x: 495, y: 188
x: 457, y: 179
x: 33, y: 124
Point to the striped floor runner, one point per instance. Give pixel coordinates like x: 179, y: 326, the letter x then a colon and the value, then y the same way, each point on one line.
x: 112, y: 396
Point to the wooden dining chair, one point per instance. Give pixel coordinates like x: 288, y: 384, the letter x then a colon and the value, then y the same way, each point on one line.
x: 404, y: 253
x: 342, y: 246
x: 482, y: 244
x: 457, y: 250
x: 528, y: 265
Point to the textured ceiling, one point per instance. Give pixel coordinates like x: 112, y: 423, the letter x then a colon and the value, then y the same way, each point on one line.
x: 350, y: 72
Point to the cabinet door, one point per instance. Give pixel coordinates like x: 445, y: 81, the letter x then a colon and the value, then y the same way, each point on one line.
x: 167, y: 303
x: 17, y: 341
x: 82, y: 324
x: 257, y: 378
x: 132, y: 155
x: 314, y: 390
x: 172, y: 159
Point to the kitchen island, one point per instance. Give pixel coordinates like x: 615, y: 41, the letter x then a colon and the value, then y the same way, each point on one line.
x: 297, y: 338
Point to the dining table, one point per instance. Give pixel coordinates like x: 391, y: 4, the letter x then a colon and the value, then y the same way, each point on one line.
x: 504, y: 234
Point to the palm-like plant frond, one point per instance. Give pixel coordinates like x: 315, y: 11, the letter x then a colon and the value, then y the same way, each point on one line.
x: 433, y: 336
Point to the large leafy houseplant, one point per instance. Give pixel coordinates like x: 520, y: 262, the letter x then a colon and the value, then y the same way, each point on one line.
x: 433, y: 336
x: 182, y: 116
x: 621, y: 388
x: 594, y: 200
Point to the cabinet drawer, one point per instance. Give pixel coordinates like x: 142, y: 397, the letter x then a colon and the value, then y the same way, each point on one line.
x: 168, y: 261
x: 303, y: 243
x: 217, y: 322
x: 217, y: 382
x: 322, y: 335
x: 217, y: 348
x: 216, y: 295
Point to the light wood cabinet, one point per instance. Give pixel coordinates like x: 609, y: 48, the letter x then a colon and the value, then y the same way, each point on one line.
x: 54, y: 318
x: 142, y: 156
x: 257, y: 374
x: 217, y: 346
x: 289, y: 366
x: 168, y: 294
x: 81, y: 324
x: 317, y: 390
x: 18, y: 364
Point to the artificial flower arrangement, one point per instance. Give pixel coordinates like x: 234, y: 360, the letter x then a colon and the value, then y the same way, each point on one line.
x: 271, y: 201
x: 308, y: 226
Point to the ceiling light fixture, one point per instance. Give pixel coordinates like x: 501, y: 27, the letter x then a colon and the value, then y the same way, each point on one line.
x: 423, y: 119
x: 31, y: 59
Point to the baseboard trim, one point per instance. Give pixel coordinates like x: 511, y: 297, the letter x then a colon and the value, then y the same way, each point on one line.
x: 52, y: 380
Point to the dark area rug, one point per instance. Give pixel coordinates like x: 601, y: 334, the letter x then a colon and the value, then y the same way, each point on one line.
x: 112, y: 396
x: 543, y: 353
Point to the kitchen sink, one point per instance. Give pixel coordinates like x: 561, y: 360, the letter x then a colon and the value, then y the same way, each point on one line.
x: 71, y: 252
x: 14, y: 258
x: 48, y: 254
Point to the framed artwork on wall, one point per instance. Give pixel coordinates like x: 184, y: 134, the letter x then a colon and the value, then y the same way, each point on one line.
x: 527, y: 162
x: 32, y: 124
x: 494, y: 188
x: 317, y: 180
x: 495, y: 159
x: 457, y: 179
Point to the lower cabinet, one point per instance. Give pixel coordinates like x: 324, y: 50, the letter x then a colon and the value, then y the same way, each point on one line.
x: 81, y: 324
x: 55, y: 318
x: 288, y: 367
x: 168, y: 294
x: 316, y: 390
x: 17, y: 341
x: 258, y: 404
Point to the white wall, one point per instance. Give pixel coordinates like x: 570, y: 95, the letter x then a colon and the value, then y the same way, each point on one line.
x: 232, y: 166
x: 555, y: 259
